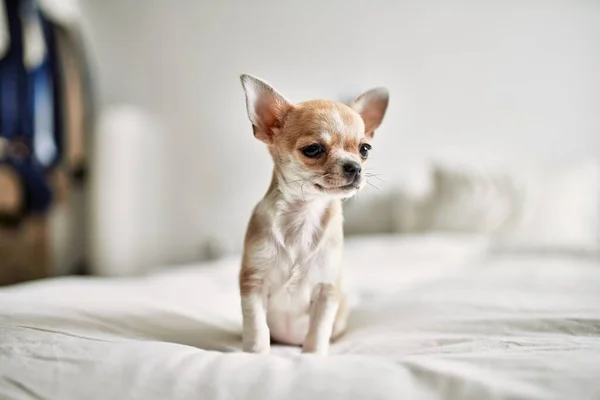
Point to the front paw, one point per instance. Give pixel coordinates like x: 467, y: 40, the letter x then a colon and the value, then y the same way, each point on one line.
x: 257, y: 342
x: 310, y: 346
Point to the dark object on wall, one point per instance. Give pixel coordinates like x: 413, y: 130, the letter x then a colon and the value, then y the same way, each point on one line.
x: 46, y: 116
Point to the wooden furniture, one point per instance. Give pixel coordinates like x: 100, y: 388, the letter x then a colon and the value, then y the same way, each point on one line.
x: 24, y: 251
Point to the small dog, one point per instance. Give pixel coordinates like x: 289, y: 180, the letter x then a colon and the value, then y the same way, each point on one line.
x: 291, y: 275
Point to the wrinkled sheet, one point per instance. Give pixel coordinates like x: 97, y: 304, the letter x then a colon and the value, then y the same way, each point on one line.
x: 434, y: 317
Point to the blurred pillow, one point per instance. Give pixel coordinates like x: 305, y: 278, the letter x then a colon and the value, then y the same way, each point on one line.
x: 459, y: 199
x: 558, y: 209
x: 526, y: 209
x: 369, y: 214
x: 467, y: 200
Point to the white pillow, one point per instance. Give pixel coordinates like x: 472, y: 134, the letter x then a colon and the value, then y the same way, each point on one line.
x: 555, y: 208
x: 559, y: 209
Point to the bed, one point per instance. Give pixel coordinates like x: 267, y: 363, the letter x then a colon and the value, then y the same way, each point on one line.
x: 436, y: 316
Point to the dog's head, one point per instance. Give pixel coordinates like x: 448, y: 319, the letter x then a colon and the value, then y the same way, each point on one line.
x: 319, y: 147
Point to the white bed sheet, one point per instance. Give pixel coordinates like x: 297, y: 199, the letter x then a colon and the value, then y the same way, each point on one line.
x: 434, y: 317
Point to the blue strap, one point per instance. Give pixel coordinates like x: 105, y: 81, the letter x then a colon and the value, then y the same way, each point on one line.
x: 55, y: 77
x: 17, y: 113
x: 45, y: 103
x: 13, y: 83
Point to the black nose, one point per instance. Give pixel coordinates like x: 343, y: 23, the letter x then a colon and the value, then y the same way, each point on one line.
x: 352, y: 170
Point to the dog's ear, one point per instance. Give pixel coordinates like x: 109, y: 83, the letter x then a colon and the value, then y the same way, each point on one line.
x: 266, y: 107
x: 371, y: 106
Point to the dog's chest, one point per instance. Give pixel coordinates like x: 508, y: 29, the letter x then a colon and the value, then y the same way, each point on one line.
x: 301, y: 258
x: 298, y: 230
x: 297, y: 262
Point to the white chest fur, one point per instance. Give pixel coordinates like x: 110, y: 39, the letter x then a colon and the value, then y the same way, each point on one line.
x: 300, y: 246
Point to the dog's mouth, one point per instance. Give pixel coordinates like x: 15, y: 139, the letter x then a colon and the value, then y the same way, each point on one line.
x: 337, y: 189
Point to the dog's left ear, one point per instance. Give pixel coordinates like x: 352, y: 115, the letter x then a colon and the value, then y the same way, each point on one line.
x: 371, y: 106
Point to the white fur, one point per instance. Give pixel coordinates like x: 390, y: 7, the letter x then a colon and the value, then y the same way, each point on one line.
x: 338, y: 121
x: 255, y: 330
x: 322, y: 317
x: 326, y: 136
x: 355, y: 128
x: 344, y: 156
x: 252, y: 100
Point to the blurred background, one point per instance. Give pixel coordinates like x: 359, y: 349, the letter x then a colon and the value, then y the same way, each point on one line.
x: 147, y: 157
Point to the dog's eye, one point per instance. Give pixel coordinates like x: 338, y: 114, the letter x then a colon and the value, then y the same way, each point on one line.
x: 364, y: 150
x: 313, y: 151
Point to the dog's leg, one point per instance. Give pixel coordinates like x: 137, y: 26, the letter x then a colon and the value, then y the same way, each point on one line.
x: 341, y: 319
x: 256, y: 336
x: 323, y: 309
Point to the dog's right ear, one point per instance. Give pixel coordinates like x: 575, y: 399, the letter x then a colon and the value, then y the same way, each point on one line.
x: 266, y: 108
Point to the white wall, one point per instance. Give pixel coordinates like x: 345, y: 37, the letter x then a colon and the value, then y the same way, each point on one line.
x: 478, y: 79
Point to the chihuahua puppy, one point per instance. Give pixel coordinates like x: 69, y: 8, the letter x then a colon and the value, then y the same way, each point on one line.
x: 291, y: 275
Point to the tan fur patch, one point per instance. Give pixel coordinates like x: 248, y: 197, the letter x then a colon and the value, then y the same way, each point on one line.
x: 328, y: 214
x: 250, y: 280
x: 255, y: 228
